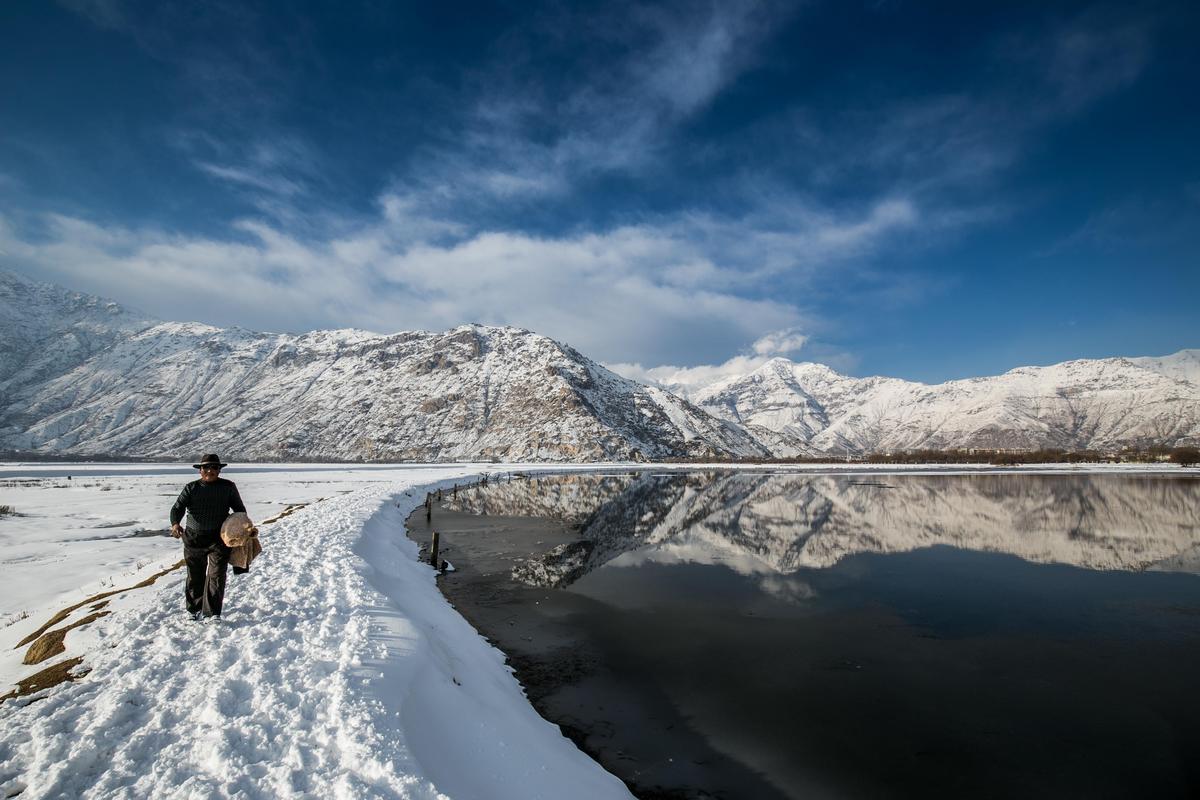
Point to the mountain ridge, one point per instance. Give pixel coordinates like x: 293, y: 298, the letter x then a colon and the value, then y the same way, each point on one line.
x: 85, y: 375
x: 475, y: 392
x: 1077, y: 404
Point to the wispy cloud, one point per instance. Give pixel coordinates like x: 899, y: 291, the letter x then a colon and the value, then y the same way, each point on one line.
x: 282, y: 178
x: 257, y: 180
x: 939, y: 144
x: 239, y: 72
x: 656, y: 68
x: 1086, y: 59
x: 660, y: 291
x: 1137, y: 223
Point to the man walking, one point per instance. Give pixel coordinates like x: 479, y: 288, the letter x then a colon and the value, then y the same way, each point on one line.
x: 207, y: 502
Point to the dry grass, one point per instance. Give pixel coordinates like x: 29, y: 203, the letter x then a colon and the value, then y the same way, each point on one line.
x: 288, y: 511
x: 50, y: 676
x: 50, y: 643
x: 66, y: 612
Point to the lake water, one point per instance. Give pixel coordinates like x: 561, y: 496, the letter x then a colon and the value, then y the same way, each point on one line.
x: 769, y: 636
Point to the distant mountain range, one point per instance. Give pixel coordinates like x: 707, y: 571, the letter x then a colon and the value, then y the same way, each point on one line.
x: 82, y: 375
x: 1100, y: 404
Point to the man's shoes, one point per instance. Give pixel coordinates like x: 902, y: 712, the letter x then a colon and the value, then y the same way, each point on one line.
x: 194, y: 614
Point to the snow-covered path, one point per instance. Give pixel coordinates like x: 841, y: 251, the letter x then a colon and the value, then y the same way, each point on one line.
x: 339, y: 671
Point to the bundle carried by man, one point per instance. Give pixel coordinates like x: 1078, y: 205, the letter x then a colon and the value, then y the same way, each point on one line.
x: 239, y: 533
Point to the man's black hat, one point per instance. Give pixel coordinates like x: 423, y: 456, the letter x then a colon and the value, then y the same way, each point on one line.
x: 210, y: 460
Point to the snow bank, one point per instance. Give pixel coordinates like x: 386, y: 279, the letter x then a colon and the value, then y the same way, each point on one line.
x: 339, y: 671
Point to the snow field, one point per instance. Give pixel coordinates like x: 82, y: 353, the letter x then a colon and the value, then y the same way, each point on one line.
x: 338, y: 671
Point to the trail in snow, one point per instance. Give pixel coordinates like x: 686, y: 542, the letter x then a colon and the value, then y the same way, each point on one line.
x: 339, y: 671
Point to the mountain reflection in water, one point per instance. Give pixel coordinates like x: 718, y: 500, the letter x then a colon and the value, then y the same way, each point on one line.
x: 740, y: 635
x: 783, y: 523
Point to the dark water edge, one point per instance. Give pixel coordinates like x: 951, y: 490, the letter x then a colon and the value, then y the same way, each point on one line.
x: 621, y: 722
x: 957, y: 673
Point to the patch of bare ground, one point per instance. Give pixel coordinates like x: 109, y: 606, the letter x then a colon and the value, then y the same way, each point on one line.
x: 50, y: 643
x: 292, y: 509
x: 51, y: 676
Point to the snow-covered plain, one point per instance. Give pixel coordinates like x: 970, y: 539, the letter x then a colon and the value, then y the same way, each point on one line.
x: 86, y: 528
x: 339, y: 670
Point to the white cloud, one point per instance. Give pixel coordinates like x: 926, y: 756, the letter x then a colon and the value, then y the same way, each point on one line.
x: 779, y: 343
x: 698, y: 54
x: 686, y: 380
x: 668, y: 290
x: 602, y: 293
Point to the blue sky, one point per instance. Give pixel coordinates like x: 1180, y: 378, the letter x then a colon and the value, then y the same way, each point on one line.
x: 924, y: 190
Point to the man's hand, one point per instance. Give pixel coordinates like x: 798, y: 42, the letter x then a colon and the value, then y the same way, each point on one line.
x: 177, y: 530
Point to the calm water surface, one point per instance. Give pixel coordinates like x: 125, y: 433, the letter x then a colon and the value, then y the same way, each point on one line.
x: 762, y: 636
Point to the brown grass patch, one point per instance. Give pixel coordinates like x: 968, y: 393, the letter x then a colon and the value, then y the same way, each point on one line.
x: 50, y: 676
x: 288, y: 511
x: 51, y: 644
x: 66, y: 612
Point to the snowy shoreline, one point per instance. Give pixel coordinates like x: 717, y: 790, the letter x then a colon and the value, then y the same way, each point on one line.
x: 340, y: 670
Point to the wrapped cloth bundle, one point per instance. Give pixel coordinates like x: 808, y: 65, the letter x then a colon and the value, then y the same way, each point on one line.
x: 239, y: 533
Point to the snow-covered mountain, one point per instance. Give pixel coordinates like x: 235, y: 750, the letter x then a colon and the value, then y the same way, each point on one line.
x: 83, y: 375
x: 46, y: 331
x: 802, y: 408
x: 86, y: 376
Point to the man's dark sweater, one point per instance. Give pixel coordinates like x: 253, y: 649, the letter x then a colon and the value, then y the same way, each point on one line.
x: 207, y: 506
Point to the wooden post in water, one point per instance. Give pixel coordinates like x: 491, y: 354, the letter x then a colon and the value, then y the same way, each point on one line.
x: 456, y: 491
x: 433, y: 550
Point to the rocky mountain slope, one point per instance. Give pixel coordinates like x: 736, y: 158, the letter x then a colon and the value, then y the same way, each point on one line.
x: 82, y: 375
x: 90, y: 377
x: 799, y: 408
x: 46, y: 331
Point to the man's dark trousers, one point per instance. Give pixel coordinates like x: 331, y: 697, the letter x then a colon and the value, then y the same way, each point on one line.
x: 205, y: 588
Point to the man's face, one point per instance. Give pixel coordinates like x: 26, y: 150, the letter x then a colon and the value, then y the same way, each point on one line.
x: 209, y: 474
